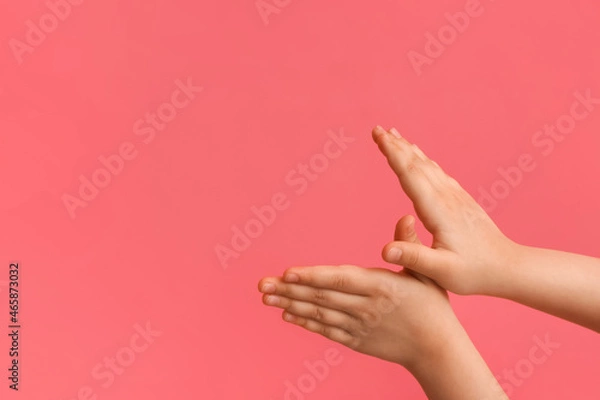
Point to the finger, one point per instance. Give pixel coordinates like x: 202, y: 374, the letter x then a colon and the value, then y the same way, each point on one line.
x: 410, y: 169
x: 405, y: 230
x: 415, y: 148
x: 432, y: 168
x: 330, y: 332
x: 407, y: 151
x: 378, y: 132
x: 430, y: 262
x: 420, y: 153
x: 348, y: 303
x: 343, y: 278
x: 393, y: 144
x: 312, y: 311
x: 437, y: 171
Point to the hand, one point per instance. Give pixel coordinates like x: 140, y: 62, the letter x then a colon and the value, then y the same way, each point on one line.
x: 468, y: 250
x: 401, y: 317
x: 389, y: 315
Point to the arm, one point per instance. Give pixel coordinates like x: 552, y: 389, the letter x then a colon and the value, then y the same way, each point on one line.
x: 458, y: 372
x: 455, y: 370
x: 404, y: 318
x: 392, y: 316
x: 562, y: 284
x: 470, y: 255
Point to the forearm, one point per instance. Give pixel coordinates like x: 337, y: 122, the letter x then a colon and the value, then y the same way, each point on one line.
x: 559, y: 283
x: 457, y: 372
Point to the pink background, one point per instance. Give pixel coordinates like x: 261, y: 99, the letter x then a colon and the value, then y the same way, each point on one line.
x: 144, y: 249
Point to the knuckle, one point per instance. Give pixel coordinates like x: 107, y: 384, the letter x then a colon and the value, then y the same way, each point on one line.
x: 354, y: 343
x: 339, y: 282
x: 413, y: 257
x: 431, y: 165
x: 412, y: 167
x: 317, y: 314
x: 283, y: 290
x: 386, y: 304
x: 347, y: 326
x: 369, y: 317
x: 354, y: 324
x: 363, y: 330
x: 286, y: 303
x: 319, y: 295
x: 383, y: 287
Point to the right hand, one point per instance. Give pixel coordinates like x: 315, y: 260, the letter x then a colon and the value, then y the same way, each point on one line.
x: 468, y: 251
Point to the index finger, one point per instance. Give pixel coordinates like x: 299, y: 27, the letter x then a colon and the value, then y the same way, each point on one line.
x: 344, y: 278
x: 415, y: 177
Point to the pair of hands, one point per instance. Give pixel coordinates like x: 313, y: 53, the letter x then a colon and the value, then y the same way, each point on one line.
x: 404, y: 317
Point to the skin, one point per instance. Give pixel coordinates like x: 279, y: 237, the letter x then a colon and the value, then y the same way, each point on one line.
x: 395, y: 316
x: 470, y: 255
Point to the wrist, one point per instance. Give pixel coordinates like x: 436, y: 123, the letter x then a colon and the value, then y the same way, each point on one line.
x: 437, y: 350
x: 456, y: 371
x: 434, y: 366
x: 501, y: 282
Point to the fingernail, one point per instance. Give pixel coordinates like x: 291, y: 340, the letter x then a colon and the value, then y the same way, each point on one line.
x: 272, y: 300
x: 268, y: 288
x: 291, y: 277
x: 395, y: 133
x: 394, y: 253
x: 379, y: 129
x: 288, y: 317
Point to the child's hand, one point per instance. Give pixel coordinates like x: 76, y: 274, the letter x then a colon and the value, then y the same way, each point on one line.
x: 389, y: 315
x: 401, y: 317
x: 468, y: 250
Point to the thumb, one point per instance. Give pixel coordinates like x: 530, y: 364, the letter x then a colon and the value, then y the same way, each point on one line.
x: 405, y: 230
x: 419, y: 258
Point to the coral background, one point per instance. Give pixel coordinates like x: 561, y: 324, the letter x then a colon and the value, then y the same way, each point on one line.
x: 275, y: 86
